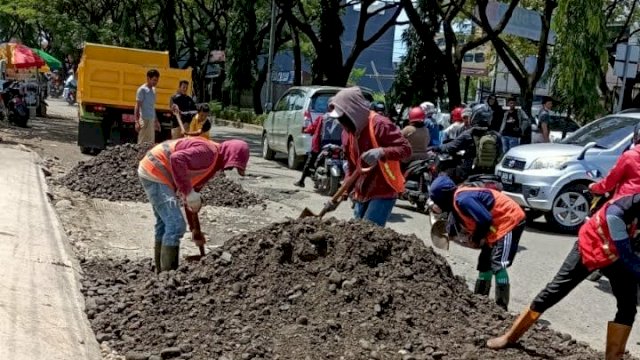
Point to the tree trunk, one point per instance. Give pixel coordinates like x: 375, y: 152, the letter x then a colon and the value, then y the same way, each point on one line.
x: 526, y: 92
x: 297, y: 58
x: 170, y: 31
x: 627, y: 99
x: 257, y: 90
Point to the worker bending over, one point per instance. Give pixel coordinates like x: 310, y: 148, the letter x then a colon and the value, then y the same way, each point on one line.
x: 175, y: 171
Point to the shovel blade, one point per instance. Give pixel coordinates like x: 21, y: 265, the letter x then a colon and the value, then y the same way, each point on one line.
x: 439, y: 236
x: 307, y: 213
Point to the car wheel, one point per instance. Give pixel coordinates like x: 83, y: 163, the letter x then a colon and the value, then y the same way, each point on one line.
x: 570, y: 208
x: 267, y: 153
x: 293, y: 161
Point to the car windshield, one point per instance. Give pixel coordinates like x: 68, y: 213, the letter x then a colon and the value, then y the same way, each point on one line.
x: 606, y: 132
x: 320, y: 102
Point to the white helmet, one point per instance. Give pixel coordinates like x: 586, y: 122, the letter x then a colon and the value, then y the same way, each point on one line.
x: 428, y: 107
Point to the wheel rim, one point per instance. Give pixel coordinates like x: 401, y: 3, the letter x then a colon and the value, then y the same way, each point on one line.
x: 291, y: 156
x: 265, y: 146
x: 570, y: 209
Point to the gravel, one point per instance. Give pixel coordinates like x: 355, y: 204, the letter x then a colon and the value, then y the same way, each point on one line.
x: 307, y: 289
x: 112, y: 175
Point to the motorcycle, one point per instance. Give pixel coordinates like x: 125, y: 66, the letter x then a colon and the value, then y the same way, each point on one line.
x: 71, y: 96
x: 329, y: 169
x: 418, y: 177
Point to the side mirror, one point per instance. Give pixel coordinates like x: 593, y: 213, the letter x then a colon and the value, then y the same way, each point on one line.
x: 268, y: 107
x: 584, y: 150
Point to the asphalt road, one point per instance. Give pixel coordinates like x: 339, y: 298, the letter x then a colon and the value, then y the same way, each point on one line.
x: 583, y: 314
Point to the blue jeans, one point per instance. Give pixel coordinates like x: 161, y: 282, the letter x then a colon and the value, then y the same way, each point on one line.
x: 509, y: 142
x: 170, y: 224
x: 377, y: 210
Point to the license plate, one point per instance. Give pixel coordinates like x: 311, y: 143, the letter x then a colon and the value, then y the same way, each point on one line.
x: 505, y: 177
x: 128, y: 118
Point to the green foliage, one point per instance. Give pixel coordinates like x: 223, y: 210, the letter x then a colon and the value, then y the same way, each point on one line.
x: 579, y: 56
x: 242, y: 53
x: 379, y: 97
x: 356, y: 75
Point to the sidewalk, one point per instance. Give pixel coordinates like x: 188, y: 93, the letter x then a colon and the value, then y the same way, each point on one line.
x: 41, y: 308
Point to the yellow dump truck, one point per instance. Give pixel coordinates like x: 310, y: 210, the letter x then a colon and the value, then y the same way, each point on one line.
x: 108, y: 78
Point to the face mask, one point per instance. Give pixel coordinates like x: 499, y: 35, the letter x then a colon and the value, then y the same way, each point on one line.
x: 346, y: 122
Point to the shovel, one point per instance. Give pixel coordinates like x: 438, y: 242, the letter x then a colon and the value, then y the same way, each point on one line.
x: 439, y: 236
x: 196, y: 233
x: 337, y: 198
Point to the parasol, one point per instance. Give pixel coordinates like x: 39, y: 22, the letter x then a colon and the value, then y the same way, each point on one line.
x: 20, y: 56
x: 51, y: 62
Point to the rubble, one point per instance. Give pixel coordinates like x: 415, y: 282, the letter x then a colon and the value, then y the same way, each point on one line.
x: 306, y: 289
x: 112, y: 175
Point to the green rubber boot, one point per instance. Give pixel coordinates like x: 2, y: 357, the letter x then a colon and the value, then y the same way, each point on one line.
x: 503, y: 292
x: 156, y: 256
x: 483, y: 287
x: 169, y: 258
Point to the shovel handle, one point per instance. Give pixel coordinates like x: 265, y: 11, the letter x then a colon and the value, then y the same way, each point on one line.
x: 346, y: 185
x: 179, y: 118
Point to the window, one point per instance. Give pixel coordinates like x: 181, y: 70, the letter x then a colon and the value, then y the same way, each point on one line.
x: 298, y: 102
x: 606, y: 132
x: 479, y: 57
x: 320, y: 102
x: 467, y: 57
x: 282, y: 104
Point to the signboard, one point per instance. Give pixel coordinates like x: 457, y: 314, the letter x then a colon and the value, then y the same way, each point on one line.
x: 629, y: 54
x: 524, y: 23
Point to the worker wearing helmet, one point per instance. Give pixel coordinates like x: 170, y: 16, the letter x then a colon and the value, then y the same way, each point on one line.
x: 485, y: 219
x: 430, y: 121
x: 457, y: 125
x: 482, y: 147
x: 624, y: 177
x: 606, y: 242
x: 175, y: 171
x: 417, y: 134
x: 378, y: 107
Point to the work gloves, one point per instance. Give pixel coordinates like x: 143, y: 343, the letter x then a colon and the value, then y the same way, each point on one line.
x: 372, y: 156
x: 194, y: 201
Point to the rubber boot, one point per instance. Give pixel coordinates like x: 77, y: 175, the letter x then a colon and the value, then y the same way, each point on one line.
x: 483, y: 287
x: 169, y: 258
x: 299, y: 183
x: 156, y: 256
x: 503, y: 292
x: 617, y: 335
x: 519, y: 327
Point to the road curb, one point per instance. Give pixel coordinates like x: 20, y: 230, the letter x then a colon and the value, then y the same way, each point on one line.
x: 238, y: 125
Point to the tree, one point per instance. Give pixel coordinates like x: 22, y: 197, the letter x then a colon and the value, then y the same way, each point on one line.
x: 319, y: 22
x: 241, y: 48
x: 580, y: 55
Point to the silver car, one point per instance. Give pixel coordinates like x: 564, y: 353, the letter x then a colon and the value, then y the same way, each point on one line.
x: 552, y: 179
x: 283, y: 130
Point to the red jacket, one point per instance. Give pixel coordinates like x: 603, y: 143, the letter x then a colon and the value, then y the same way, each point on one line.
x: 374, y: 185
x: 316, y: 139
x: 624, y: 177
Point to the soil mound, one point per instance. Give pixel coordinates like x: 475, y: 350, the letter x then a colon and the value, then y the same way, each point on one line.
x: 113, y: 175
x: 306, y: 289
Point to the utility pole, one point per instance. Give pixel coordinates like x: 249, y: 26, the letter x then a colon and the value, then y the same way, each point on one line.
x: 272, y: 49
x: 377, y: 76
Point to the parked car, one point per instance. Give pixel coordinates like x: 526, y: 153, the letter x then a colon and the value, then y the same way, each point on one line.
x: 553, y: 179
x: 282, y: 131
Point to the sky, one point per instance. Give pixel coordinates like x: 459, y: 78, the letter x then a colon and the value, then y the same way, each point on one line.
x: 399, y: 47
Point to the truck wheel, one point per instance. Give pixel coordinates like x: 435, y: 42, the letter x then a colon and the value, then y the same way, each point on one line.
x: 570, y: 208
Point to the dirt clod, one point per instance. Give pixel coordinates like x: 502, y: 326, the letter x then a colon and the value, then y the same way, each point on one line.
x: 113, y: 175
x: 353, y: 300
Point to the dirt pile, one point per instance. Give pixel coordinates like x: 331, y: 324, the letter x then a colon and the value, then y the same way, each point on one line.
x: 112, y: 175
x: 305, y: 290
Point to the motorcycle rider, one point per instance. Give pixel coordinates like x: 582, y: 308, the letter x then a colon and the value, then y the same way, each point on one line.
x: 378, y: 107
x: 417, y: 134
x: 457, y: 125
x: 624, y: 177
x: 326, y: 130
x: 482, y: 147
x: 371, y: 140
x: 69, y: 85
x: 434, y: 129
x: 605, y: 242
x: 488, y: 220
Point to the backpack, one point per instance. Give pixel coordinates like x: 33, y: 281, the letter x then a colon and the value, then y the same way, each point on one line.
x: 486, y: 151
x: 331, y: 131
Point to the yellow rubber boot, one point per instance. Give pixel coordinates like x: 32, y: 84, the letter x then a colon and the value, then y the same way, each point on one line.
x: 519, y: 327
x: 617, y: 335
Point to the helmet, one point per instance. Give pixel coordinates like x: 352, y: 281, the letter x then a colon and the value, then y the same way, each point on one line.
x: 466, y: 112
x: 428, y: 107
x: 416, y: 114
x: 481, y: 115
x: 378, y: 106
x: 456, y: 114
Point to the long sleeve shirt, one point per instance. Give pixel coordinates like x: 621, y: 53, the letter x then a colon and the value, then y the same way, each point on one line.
x: 624, y: 177
x: 191, y: 155
x: 478, y: 206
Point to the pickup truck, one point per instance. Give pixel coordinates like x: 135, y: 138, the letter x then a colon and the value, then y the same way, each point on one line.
x: 108, y: 78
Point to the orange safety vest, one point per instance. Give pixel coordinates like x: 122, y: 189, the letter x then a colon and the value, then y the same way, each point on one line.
x: 390, y: 168
x: 506, y: 213
x: 156, y: 164
x: 597, y: 249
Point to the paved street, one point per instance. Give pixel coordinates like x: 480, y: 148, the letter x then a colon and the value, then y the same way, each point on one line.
x: 583, y: 314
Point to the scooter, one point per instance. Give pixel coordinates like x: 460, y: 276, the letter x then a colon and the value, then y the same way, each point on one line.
x: 329, y: 169
x: 418, y: 177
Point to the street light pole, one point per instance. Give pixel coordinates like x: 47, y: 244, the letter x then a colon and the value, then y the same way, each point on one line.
x: 272, y: 48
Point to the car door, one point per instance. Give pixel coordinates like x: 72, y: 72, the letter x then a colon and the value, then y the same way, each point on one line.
x: 296, y: 116
x: 280, y: 115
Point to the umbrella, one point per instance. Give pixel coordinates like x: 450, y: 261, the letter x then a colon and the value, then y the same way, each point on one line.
x: 20, y: 56
x: 53, y: 63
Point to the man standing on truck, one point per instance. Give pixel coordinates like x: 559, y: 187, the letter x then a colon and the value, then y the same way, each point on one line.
x: 145, y: 111
x: 185, y: 105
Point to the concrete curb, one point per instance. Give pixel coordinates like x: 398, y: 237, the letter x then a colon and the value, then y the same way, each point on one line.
x: 238, y: 125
